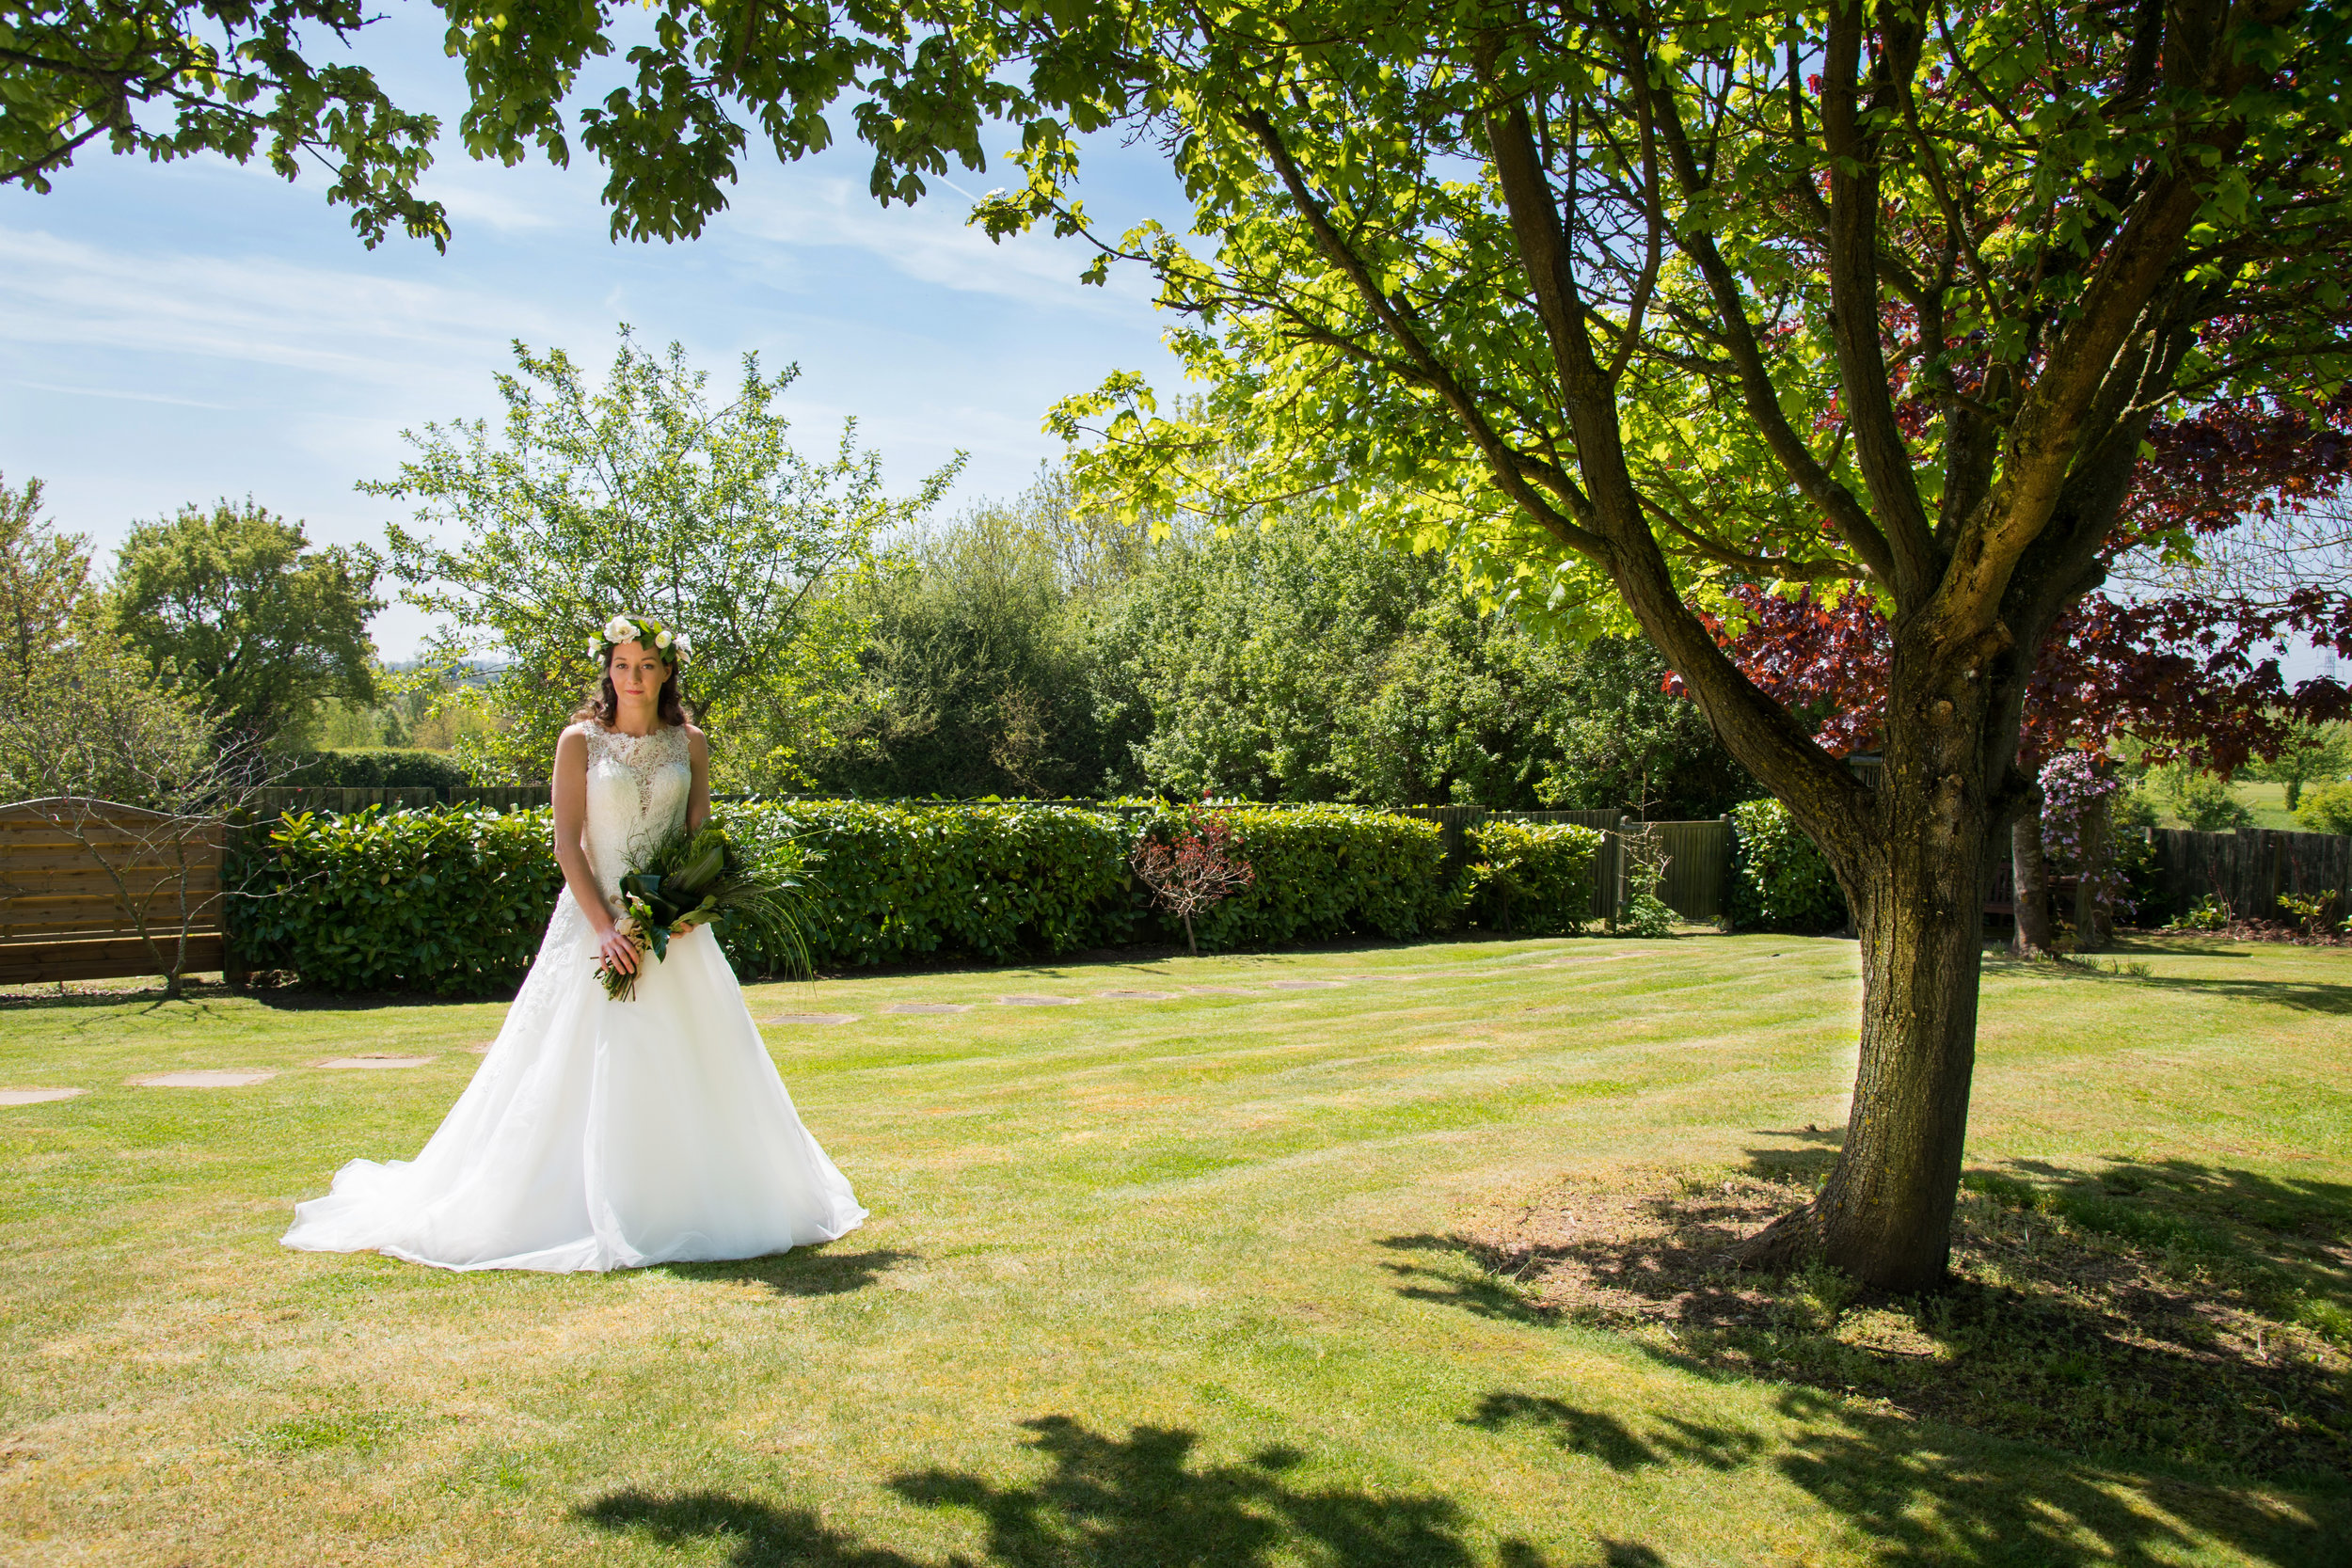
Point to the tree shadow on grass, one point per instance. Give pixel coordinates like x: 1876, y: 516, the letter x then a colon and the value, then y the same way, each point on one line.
x: 1919, y: 1501
x: 1482, y: 1291
x: 1607, y: 1438
x: 1936, y: 1505
x: 762, y: 1534
x: 802, y: 1271
x: 1141, y: 1501
x: 2150, y: 1318
x: 2309, y: 996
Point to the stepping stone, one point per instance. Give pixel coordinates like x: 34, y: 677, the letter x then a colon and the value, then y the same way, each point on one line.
x: 1220, y: 990
x: 1037, y: 1001
x: 1137, y: 995
x: 482, y: 1050
x: 928, y: 1007
x: 36, y: 1097
x: 811, y: 1017
x: 201, y: 1079
x: 372, y: 1060
x: 1306, y: 985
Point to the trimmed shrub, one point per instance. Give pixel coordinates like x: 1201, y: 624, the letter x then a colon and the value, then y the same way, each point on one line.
x: 1533, y: 879
x: 454, y: 900
x: 1779, y: 878
x: 901, y: 882
x: 379, y: 767
x: 450, y: 900
x: 1323, y: 872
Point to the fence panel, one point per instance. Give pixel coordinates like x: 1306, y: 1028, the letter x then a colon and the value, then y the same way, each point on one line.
x: 1698, y: 866
x: 2252, y: 868
x: 62, y: 916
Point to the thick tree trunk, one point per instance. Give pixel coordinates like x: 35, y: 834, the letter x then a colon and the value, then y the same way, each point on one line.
x: 1917, y: 888
x: 2094, y: 925
x: 2029, y: 878
x: 1886, y: 1215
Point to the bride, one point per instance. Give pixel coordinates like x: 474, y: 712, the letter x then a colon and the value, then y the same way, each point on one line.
x: 600, y: 1133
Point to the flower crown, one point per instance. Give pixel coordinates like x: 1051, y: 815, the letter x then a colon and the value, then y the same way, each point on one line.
x: 626, y: 628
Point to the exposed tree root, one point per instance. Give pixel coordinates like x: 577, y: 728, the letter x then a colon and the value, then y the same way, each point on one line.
x: 1788, y: 1242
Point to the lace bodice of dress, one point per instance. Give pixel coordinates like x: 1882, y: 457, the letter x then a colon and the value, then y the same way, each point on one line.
x: 637, y: 791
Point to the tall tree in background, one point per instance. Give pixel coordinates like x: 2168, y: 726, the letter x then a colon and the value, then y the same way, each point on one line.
x: 44, y: 580
x: 1035, y: 648
x: 643, y: 495
x: 235, y: 606
x: 82, y: 713
x: 1298, y: 658
x: 982, y: 675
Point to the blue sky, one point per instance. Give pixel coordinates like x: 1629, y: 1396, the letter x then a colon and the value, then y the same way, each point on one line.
x: 176, y: 333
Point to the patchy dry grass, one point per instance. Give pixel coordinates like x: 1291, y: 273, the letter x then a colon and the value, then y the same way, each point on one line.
x: 1180, y: 1280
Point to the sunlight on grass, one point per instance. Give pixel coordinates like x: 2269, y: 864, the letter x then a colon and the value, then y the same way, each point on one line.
x: 1148, y: 1281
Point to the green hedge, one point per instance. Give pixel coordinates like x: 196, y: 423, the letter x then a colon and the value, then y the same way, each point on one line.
x: 379, y: 768
x: 1779, y: 878
x: 454, y: 900
x: 1323, y: 872
x: 998, y: 882
x: 1533, y: 879
x: 449, y: 900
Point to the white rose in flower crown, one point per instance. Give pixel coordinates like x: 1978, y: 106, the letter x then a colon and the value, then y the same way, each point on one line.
x: 662, y: 640
x: 595, y: 647
x: 619, y: 629
x: 685, y: 645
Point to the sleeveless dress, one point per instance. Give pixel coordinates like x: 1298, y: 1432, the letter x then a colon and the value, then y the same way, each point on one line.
x: 603, y: 1134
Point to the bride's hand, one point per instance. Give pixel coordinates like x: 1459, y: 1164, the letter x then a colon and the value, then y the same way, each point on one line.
x: 683, y: 929
x: 618, y: 953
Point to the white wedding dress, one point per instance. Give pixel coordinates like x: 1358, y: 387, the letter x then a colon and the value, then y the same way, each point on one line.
x: 604, y: 1134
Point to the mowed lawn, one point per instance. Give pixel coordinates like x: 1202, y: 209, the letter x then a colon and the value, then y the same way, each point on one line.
x: 1148, y: 1281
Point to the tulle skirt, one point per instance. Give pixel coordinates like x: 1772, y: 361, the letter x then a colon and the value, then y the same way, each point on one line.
x: 602, y: 1134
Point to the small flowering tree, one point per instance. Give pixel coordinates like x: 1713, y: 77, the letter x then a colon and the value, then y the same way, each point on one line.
x: 2077, y: 793
x: 1196, y: 870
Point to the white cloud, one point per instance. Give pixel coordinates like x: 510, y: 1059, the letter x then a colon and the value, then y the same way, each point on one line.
x: 121, y: 396
x: 930, y: 243
x: 250, y: 309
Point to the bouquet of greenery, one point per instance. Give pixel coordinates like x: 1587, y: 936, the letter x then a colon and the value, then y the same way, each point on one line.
x: 710, y: 878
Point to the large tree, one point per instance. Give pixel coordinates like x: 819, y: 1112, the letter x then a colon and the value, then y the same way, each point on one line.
x: 1625, y: 305
x: 642, y: 494
x: 235, y: 605
x: 2231, y: 546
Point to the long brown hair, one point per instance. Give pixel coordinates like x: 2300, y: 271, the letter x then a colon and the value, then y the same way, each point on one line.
x: 604, y: 703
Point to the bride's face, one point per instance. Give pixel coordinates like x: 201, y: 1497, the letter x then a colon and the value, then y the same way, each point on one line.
x: 638, y: 673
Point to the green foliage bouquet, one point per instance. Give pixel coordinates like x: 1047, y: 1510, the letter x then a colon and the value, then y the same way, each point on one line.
x: 712, y: 878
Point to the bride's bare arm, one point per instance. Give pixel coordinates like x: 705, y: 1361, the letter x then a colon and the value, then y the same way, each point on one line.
x: 570, y: 792
x: 698, y: 800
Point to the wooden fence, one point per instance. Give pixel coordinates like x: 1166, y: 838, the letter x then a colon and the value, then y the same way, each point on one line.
x: 62, y: 916
x: 2252, y: 868
x: 1698, y: 854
